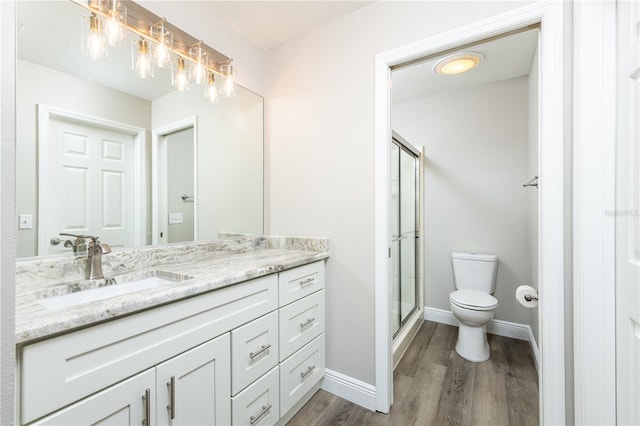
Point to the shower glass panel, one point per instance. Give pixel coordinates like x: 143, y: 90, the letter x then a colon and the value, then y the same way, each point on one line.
x: 404, y: 234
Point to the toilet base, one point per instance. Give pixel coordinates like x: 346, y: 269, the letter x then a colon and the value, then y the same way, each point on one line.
x: 472, y: 343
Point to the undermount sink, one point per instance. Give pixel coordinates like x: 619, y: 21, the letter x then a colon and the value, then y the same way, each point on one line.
x: 111, y: 288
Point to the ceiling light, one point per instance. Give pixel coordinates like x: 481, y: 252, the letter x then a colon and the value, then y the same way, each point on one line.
x: 458, y: 63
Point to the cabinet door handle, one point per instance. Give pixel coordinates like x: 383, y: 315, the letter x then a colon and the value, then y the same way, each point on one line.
x: 147, y: 407
x: 265, y: 410
x: 307, y: 322
x: 172, y: 397
x: 304, y: 374
x: 307, y: 281
x: 252, y: 355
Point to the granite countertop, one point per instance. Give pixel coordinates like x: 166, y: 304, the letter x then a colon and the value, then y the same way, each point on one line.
x: 198, y: 268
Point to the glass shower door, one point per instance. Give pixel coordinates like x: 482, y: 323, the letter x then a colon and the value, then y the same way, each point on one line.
x: 404, y: 234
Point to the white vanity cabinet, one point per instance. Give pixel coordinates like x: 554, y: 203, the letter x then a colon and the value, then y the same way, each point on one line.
x: 237, y: 355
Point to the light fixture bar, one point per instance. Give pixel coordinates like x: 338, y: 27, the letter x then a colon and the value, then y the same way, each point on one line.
x: 140, y: 20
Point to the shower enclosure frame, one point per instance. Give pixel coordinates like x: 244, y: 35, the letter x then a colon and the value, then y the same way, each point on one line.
x: 410, y: 324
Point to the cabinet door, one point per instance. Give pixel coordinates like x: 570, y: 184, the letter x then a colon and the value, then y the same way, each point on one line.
x: 194, y: 388
x: 127, y: 403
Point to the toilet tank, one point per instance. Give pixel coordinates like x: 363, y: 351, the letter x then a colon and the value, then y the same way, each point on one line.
x: 474, y: 271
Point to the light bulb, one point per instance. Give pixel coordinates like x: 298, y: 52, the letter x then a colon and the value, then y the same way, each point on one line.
x: 211, y: 92
x: 199, y: 71
x: 164, y: 44
x: 229, y: 87
x: 143, y: 60
x: 94, y: 44
x: 180, y: 79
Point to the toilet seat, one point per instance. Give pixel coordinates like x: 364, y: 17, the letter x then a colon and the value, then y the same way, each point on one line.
x: 473, y: 299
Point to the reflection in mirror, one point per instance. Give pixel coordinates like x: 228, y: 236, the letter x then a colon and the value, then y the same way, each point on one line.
x: 101, y: 151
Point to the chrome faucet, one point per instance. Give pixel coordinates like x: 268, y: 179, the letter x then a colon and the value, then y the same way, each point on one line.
x: 95, y: 250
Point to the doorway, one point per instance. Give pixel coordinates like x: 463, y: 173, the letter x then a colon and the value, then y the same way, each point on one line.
x: 174, y: 183
x: 551, y: 183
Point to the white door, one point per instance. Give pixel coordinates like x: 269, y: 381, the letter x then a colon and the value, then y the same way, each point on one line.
x: 127, y: 403
x: 199, y: 383
x: 627, y: 216
x: 90, y: 181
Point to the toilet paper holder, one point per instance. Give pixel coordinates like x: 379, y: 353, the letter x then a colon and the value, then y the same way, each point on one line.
x: 529, y: 297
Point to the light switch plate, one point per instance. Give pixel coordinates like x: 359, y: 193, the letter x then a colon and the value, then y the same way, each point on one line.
x: 175, y: 218
x: 25, y: 221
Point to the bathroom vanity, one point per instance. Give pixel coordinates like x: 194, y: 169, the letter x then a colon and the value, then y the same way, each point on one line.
x: 236, y: 338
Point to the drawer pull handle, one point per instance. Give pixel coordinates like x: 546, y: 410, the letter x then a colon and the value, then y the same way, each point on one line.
x: 147, y: 407
x: 304, y: 374
x: 172, y: 397
x: 252, y: 355
x: 307, y: 281
x: 265, y: 410
x: 307, y: 322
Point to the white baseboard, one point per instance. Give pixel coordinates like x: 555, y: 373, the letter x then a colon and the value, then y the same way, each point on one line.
x: 351, y: 389
x: 497, y: 327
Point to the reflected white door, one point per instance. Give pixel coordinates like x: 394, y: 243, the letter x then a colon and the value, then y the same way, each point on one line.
x: 627, y: 216
x: 90, y: 172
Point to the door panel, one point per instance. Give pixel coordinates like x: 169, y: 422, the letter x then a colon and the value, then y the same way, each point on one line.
x: 627, y: 216
x: 91, y: 185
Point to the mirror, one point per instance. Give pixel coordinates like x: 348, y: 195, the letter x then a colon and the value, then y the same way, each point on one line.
x: 102, y: 151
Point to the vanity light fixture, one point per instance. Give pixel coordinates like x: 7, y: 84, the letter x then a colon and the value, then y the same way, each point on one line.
x: 158, y: 43
x: 115, y: 23
x: 142, y: 62
x: 164, y: 44
x: 94, y: 43
x: 180, y: 77
x: 458, y: 63
x: 211, y: 91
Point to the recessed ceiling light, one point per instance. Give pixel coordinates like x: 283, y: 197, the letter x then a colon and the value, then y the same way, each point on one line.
x: 458, y: 63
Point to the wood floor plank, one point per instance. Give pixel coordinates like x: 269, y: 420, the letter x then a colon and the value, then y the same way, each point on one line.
x: 433, y: 385
x: 454, y: 406
x: 489, y: 389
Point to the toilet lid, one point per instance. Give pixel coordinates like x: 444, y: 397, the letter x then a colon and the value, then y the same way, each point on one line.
x: 473, y: 299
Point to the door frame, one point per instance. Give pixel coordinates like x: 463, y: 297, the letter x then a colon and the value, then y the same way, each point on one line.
x: 594, y: 127
x: 45, y: 115
x: 159, y: 202
x: 550, y: 16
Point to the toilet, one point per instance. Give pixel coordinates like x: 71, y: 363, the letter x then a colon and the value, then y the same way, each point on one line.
x: 472, y: 303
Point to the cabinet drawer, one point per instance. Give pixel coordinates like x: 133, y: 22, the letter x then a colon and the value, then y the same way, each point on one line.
x: 64, y: 369
x: 299, y: 282
x: 259, y: 404
x: 254, y: 350
x: 300, y: 372
x: 300, y: 322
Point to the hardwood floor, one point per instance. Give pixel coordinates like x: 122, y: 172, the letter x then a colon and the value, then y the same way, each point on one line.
x: 433, y: 385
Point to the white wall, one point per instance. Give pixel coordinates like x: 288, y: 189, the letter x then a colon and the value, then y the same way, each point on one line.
x: 195, y: 18
x: 320, y: 135
x: 532, y: 195
x: 475, y: 147
x: 42, y: 85
x: 7, y: 212
x: 230, y: 158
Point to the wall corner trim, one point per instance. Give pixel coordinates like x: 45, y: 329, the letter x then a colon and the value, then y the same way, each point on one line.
x: 351, y: 389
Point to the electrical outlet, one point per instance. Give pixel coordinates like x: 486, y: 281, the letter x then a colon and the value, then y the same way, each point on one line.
x: 175, y: 218
x: 25, y: 221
